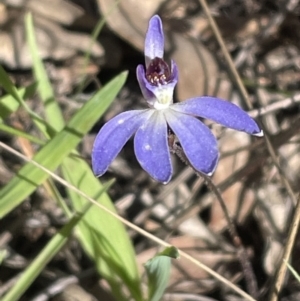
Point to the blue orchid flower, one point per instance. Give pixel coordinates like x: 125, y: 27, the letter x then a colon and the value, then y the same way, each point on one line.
x: 151, y: 126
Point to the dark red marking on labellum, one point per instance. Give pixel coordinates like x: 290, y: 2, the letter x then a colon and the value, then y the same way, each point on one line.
x: 158, y: 72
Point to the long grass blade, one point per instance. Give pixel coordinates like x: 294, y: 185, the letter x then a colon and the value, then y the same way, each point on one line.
x: 45, y: 256
x: 55, y: 151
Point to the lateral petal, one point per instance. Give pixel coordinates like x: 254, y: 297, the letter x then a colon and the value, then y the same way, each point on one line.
x: 146, y: 88
x: 113, y: 136
x: 174, y: 71
x: 151, y: 148
x: 220, y: 111
x: 154, y: 42
x: 197, y: 141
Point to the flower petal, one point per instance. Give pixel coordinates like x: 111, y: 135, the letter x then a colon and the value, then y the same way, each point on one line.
x: 174, y: 71
x: 154, y: 42
x: 141, y: 77
x: 112, y: 137
x: 220, y: 111
x: 151, y: 148
x: 197, y: 141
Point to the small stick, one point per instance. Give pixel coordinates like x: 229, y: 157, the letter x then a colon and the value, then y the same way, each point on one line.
x: 226, y: 54
x: 281, y: 104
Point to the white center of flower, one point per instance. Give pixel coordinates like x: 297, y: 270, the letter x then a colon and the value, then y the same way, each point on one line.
x: 164, y: 97
x: 160, y: 106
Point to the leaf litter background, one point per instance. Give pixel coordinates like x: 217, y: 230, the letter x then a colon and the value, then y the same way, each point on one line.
x: 263, y: 39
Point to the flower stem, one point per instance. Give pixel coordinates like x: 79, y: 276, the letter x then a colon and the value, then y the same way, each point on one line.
x: 250, y: 278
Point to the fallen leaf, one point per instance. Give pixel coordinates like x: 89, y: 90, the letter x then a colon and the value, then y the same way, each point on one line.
x: 129, y: 19
x: 198, y: 70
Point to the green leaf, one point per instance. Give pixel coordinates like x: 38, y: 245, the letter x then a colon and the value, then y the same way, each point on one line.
x: 55, y: 151
x: 51, y: 156
x: 9, y: 104
x: 45, y: 256
x: 29, y: 177
x: 3, y: 254
x: 13, y: 91
x: 170, y: 252
x: 103, y: 237
x: 53, y: 111
x: 16, y: 132
x: 158, y: 271
x: 8, y: 86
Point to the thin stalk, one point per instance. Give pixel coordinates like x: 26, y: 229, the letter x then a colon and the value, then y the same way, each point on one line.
x: 250, y: 278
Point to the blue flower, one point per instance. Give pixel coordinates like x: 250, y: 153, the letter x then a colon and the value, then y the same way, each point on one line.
x: 151, y: 126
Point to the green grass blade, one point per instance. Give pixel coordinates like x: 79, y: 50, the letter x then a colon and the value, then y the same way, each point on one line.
x: 3, y: 254
x: 52, y: 154
x: 103, y: 237
x: 44, y: 257
x: 16, y: 132
x: 293, y: 271
x: 8, y: 103
x: 73, y: 173
x: 13, y: 91
x: 8, y: 86
x: 53, y: 112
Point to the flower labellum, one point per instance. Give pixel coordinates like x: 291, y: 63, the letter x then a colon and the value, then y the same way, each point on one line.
x: 157, y: 81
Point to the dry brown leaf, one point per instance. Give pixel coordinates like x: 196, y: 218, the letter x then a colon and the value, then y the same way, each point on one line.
x: 273, y: 210
x: 130, y: 18
x: 59, y: 11
x: 272, y: 213
x: 74, y: 292
x: 3, y: 14
x: 7, y: 49
x: 53, y: 41
x: 290, y: 152
x: 197, y: 68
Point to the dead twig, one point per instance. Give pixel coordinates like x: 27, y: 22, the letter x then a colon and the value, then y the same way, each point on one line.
x: 281, y: 104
